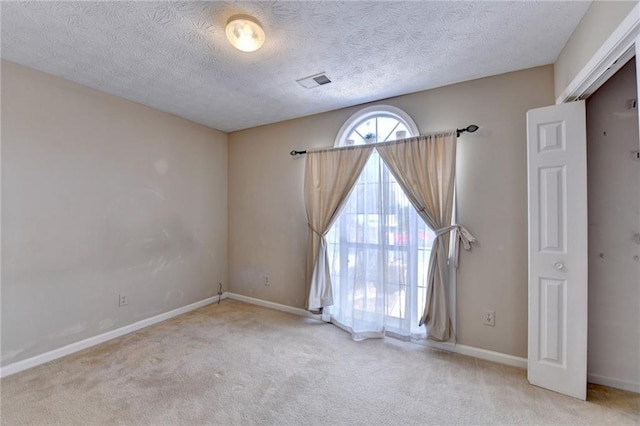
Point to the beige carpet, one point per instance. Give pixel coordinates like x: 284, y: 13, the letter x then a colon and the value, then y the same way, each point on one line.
x: 235, y: 363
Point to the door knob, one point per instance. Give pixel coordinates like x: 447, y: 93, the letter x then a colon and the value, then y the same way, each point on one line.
x: 559, y: 265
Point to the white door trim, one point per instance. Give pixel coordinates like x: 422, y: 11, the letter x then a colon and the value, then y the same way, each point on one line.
x: 637, y: 50
x: 612, y: 55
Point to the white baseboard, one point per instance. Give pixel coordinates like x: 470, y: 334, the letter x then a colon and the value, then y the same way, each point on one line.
x: 499, y: 357
x: 485, y: 354
x: 614, y: 383
x: 95, y: 340
x: 16, y: 367
x: 272, y: 305
x: 459, y: 349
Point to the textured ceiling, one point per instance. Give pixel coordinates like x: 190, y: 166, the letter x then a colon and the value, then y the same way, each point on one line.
x: 175, y: 57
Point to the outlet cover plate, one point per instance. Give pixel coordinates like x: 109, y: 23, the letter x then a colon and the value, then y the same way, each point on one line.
x: 490, y: 318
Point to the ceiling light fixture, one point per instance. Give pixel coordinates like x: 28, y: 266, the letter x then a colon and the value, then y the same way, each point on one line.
x: 245, y: 33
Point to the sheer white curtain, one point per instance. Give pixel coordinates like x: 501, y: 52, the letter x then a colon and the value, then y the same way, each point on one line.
x: 379, y: 251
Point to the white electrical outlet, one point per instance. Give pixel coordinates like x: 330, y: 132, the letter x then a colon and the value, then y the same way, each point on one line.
x: 490, y: 318
x: 123, y: 301
x: 266, y: 280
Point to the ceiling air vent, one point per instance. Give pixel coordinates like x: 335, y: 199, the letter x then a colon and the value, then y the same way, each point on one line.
x: 314, y: 80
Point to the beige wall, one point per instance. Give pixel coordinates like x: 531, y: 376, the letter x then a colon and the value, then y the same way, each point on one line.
x: 267, y: 222
x: 102, y: 196
x: 602, y: 18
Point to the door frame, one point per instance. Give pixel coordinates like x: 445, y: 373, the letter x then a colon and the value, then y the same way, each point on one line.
x: 614, y: 53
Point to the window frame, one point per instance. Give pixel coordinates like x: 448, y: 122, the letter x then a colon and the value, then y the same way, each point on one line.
x: 374, y: 111
x: 368, y: 113
x: 391, y: 111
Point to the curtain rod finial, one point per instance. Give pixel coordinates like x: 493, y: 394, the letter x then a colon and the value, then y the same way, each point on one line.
x: 470, y: 128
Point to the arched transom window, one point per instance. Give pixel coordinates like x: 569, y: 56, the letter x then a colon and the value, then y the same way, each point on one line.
x: 380, y: 123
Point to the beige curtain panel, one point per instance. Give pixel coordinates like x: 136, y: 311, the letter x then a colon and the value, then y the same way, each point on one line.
x: 425, y: 168
x: 329, y: 177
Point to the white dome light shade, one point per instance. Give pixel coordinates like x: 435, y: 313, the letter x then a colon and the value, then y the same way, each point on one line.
x: 245, y: 33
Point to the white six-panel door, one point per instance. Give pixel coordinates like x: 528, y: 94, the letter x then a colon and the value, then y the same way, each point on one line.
x: 557, y: 182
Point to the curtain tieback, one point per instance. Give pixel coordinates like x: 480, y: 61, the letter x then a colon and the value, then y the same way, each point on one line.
x: 314, y: 230
x: 462, y: 234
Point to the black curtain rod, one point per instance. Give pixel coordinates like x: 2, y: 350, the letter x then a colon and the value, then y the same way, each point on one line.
x: 471, y: 129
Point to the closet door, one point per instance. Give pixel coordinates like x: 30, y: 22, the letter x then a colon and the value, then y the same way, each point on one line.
x: 557, y: 186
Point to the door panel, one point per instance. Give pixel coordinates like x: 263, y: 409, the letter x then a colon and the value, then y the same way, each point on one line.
x: 552, y: 209
x: 553, y: 318
x: 557, y: 176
